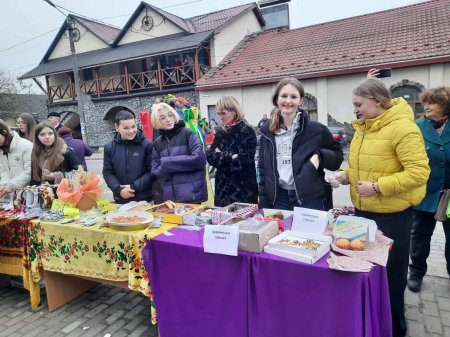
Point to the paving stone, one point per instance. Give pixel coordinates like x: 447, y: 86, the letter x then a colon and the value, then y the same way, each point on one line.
x: 72, y: 326
x: 115, y: 298
x: 117, y: 325
x: 446, y: 332
x: 416, y: 329
x: 443, y: 303
x: 115, y: 316
x: 430, y: 308
x: 432, y: 324
x: 413, y: 313
x: 445, y: 318
x: 136, y: 321
x: 412, y: 298
x: 96, y: 310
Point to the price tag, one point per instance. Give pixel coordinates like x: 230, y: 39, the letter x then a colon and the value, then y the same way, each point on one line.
x: 105, y: 205
x: 58, y: 204
x: 70, y: 211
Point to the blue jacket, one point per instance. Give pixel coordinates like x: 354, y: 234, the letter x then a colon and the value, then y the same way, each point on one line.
x: 129, y: 163
x: 438, y: 151
x: 311, y: 138
x: 178, y: 162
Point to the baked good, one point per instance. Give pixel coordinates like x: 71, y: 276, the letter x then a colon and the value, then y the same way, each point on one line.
x: 343, y: 243
x: 357, y: 245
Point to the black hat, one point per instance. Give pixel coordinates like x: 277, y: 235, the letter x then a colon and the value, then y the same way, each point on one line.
x: 53, y: 114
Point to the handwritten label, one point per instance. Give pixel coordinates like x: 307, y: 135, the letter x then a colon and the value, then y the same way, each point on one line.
x: 104, y: 205
x: 59, y: 204
x: 309, y: 220
x: 221, y: 239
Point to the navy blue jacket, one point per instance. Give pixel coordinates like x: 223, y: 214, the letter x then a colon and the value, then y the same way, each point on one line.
x: 311, y: 138
x: 178, y: 162
x: 129, y: 163
x: 438, y: 152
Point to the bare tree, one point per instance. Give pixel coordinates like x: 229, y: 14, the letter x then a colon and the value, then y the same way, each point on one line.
x: 8, y: 91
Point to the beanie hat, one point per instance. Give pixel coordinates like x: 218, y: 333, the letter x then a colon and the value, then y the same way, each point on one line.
x: 53, y: 114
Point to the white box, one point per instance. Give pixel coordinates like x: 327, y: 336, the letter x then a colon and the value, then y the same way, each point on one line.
x: 293, y: 255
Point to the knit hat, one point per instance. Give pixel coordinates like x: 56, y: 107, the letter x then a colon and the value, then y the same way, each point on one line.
x: 53, y: 114
x: 63, y: 131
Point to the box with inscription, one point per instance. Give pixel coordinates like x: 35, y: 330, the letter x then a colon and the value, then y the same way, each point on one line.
x: 172, y: 212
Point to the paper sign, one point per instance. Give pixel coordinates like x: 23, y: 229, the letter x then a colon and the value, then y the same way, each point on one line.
x: 104, y: 205
x: 59, y: 204
x: 309, y: 220
x: 221, y: 239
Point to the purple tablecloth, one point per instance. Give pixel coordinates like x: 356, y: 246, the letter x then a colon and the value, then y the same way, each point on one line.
x: 257, y: 295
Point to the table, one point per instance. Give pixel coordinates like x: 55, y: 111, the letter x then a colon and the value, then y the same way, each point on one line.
x: 258, y: 295
x: 95, y: 253
x: 14, y: 253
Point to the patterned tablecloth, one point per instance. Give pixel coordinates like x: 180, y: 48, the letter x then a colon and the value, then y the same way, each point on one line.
x: 14, y: 253
x: 95, y: 252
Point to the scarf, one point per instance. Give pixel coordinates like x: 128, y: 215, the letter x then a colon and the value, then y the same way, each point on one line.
x: 437, y: 123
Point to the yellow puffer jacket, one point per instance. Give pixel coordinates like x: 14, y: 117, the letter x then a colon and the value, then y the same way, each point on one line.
x: 389, y: 150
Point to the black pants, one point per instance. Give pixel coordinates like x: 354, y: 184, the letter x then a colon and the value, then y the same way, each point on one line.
x: 422, y: 231
x: 396, y: 226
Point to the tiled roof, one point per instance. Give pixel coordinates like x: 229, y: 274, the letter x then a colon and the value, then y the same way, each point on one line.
x: 211, y: 21
x: 415, y: 34
x: 105, y: 32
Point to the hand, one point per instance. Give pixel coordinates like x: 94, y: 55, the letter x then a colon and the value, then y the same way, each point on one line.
x: 365, y: 188
x: 127, y: 192
x: 234, y: 156
x: 315, y: 160
x: 373, y: 73
x: 49, y: 176
x: 337, y: 178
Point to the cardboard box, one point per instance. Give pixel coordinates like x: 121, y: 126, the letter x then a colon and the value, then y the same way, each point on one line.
x: 172, y: 218
x: 200, y: 216
x: 253, y: 234
x: 235, y: 209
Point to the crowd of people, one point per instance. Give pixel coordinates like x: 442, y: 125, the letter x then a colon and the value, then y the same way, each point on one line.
x: 397, y: 168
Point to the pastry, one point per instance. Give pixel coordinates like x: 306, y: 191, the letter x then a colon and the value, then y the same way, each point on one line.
x: 357, y: 245
x: 343, y: 243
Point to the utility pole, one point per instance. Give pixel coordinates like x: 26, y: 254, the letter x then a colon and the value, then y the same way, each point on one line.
x: 69, y: 22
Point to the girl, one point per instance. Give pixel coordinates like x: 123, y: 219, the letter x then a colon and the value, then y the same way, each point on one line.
x: 178, y: 160
x: 26, y: 124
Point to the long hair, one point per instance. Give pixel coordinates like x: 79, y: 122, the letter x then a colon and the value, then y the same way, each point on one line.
x: 374, y: 89
x: 439, y: 95
x: 30, y: 124
x: 277, y: 120
x: 5, y: 132
x: 52, y: 156
x: 230, y: 103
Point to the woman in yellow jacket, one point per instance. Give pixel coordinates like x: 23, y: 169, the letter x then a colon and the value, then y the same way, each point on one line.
x: 388, y: 171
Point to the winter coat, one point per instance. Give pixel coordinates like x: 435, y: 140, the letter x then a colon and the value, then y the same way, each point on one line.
x: 438, y: 152
x: 178, y: 162
x: 390, y: 151
x: 235, y: 179
x: 79, y: 147
x: 15, y: 166
x: 70, y: 163
x: 129, y: 163
x: 311, y: 138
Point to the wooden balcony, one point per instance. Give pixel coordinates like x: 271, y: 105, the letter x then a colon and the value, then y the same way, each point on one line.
x: 148, y: 81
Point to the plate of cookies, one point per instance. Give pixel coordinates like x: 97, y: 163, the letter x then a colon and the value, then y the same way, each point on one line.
x: 135, y: 220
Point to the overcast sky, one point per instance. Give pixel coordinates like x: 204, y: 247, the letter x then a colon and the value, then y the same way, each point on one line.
x: 22, y: 20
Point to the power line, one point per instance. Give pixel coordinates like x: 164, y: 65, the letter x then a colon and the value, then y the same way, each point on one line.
x: 33, y: 38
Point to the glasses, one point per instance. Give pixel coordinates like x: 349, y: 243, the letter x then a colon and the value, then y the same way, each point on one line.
x: 222, y: 113
x: 163, y: 118
x: 20, y: 123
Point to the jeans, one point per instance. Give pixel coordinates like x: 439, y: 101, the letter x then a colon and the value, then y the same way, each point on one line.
x: 287, y: 200
x: 396, y: 226
x: 422, y: 231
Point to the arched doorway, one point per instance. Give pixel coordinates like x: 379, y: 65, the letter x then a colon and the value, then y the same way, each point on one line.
x: 71, y: 119
x: 410, y: 91
x: 111, y: 115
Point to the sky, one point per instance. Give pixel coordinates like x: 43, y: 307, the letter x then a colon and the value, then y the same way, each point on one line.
x: 27, y: 27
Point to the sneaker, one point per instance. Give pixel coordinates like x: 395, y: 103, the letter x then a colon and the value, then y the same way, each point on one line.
x: 414, y: 284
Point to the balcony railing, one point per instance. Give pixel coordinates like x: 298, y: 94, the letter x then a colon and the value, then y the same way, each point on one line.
x: 153, y: 80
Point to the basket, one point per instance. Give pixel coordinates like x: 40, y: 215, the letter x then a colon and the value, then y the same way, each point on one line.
x: 87, y: 201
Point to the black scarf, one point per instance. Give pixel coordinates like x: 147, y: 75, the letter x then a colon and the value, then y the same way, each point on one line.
x: 437, y: 123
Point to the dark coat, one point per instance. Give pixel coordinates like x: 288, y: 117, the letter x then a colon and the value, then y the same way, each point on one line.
x: 311, y: 138
x: 70, y: 163
x: 235, y: 178
x: 129, y: 163
x: 178, y: 162
x: 79, y: 147
x: 438, y: 152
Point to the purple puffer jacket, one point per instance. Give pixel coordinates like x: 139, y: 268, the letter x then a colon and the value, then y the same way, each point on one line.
x: 178, y: 162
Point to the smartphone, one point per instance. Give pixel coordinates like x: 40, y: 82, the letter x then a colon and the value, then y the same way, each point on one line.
x: 385, y: 73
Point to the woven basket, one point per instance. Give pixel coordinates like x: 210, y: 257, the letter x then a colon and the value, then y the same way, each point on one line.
x: 87, y: 201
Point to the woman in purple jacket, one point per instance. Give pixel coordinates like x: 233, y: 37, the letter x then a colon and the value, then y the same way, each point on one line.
x: 178, y: 159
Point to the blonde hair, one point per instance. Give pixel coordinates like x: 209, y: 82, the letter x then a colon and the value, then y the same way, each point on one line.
x: 156, y: 113
x: 231, y: 104
x: 374, y: 89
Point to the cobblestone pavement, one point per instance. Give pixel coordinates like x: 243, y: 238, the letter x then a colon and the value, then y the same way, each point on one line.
x: 106, y: 311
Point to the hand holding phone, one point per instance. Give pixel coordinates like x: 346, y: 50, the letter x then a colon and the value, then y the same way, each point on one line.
x: 379, y: 73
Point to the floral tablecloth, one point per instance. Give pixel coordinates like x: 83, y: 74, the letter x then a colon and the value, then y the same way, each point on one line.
x: 95, y: 252
x: 14, y: 253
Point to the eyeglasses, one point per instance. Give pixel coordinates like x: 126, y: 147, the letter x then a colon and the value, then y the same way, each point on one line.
x: 163, y: 118
x: 20, y: 123
x: 222, y: 113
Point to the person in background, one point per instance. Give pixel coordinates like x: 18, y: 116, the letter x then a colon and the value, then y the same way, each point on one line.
x: 436, y: 132
x: 127, y: 162
x: 263, y: 121
x: 51, y: 157
x: 77, y: 145
x: 15, y: 160
x: 26, y: 124
x: 293, y: 154
x: 55, y: 119
x: 232, y: 153
x: 388, y: 171
x: 178, y: 160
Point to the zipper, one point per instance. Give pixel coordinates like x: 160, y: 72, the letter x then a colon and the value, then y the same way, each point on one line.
x: 169, y: 151
x: 273, y: 167
x: 363, y: 134
x: 292, y: 160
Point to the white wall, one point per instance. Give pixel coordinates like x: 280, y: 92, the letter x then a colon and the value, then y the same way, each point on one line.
x: 229, y: 36
x: 87, y: 42
x: 161, y: 27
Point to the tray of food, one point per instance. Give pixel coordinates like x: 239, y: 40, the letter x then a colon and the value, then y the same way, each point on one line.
x: 172, y: 212
x: 129, y: 220
x: 301, y: 243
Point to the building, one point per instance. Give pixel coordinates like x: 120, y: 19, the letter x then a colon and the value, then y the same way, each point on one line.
x: 333, y: 58
x: 155, y: 53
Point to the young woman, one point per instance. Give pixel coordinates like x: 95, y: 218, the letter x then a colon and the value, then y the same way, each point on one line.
x: 26, y: 124
x: 232, y: 153
x: 388, y: 171
x: 15, y: 160
x: 178, y: 160
x: 293, y: 154
x: 51, y: 158
x: 127, y: 162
